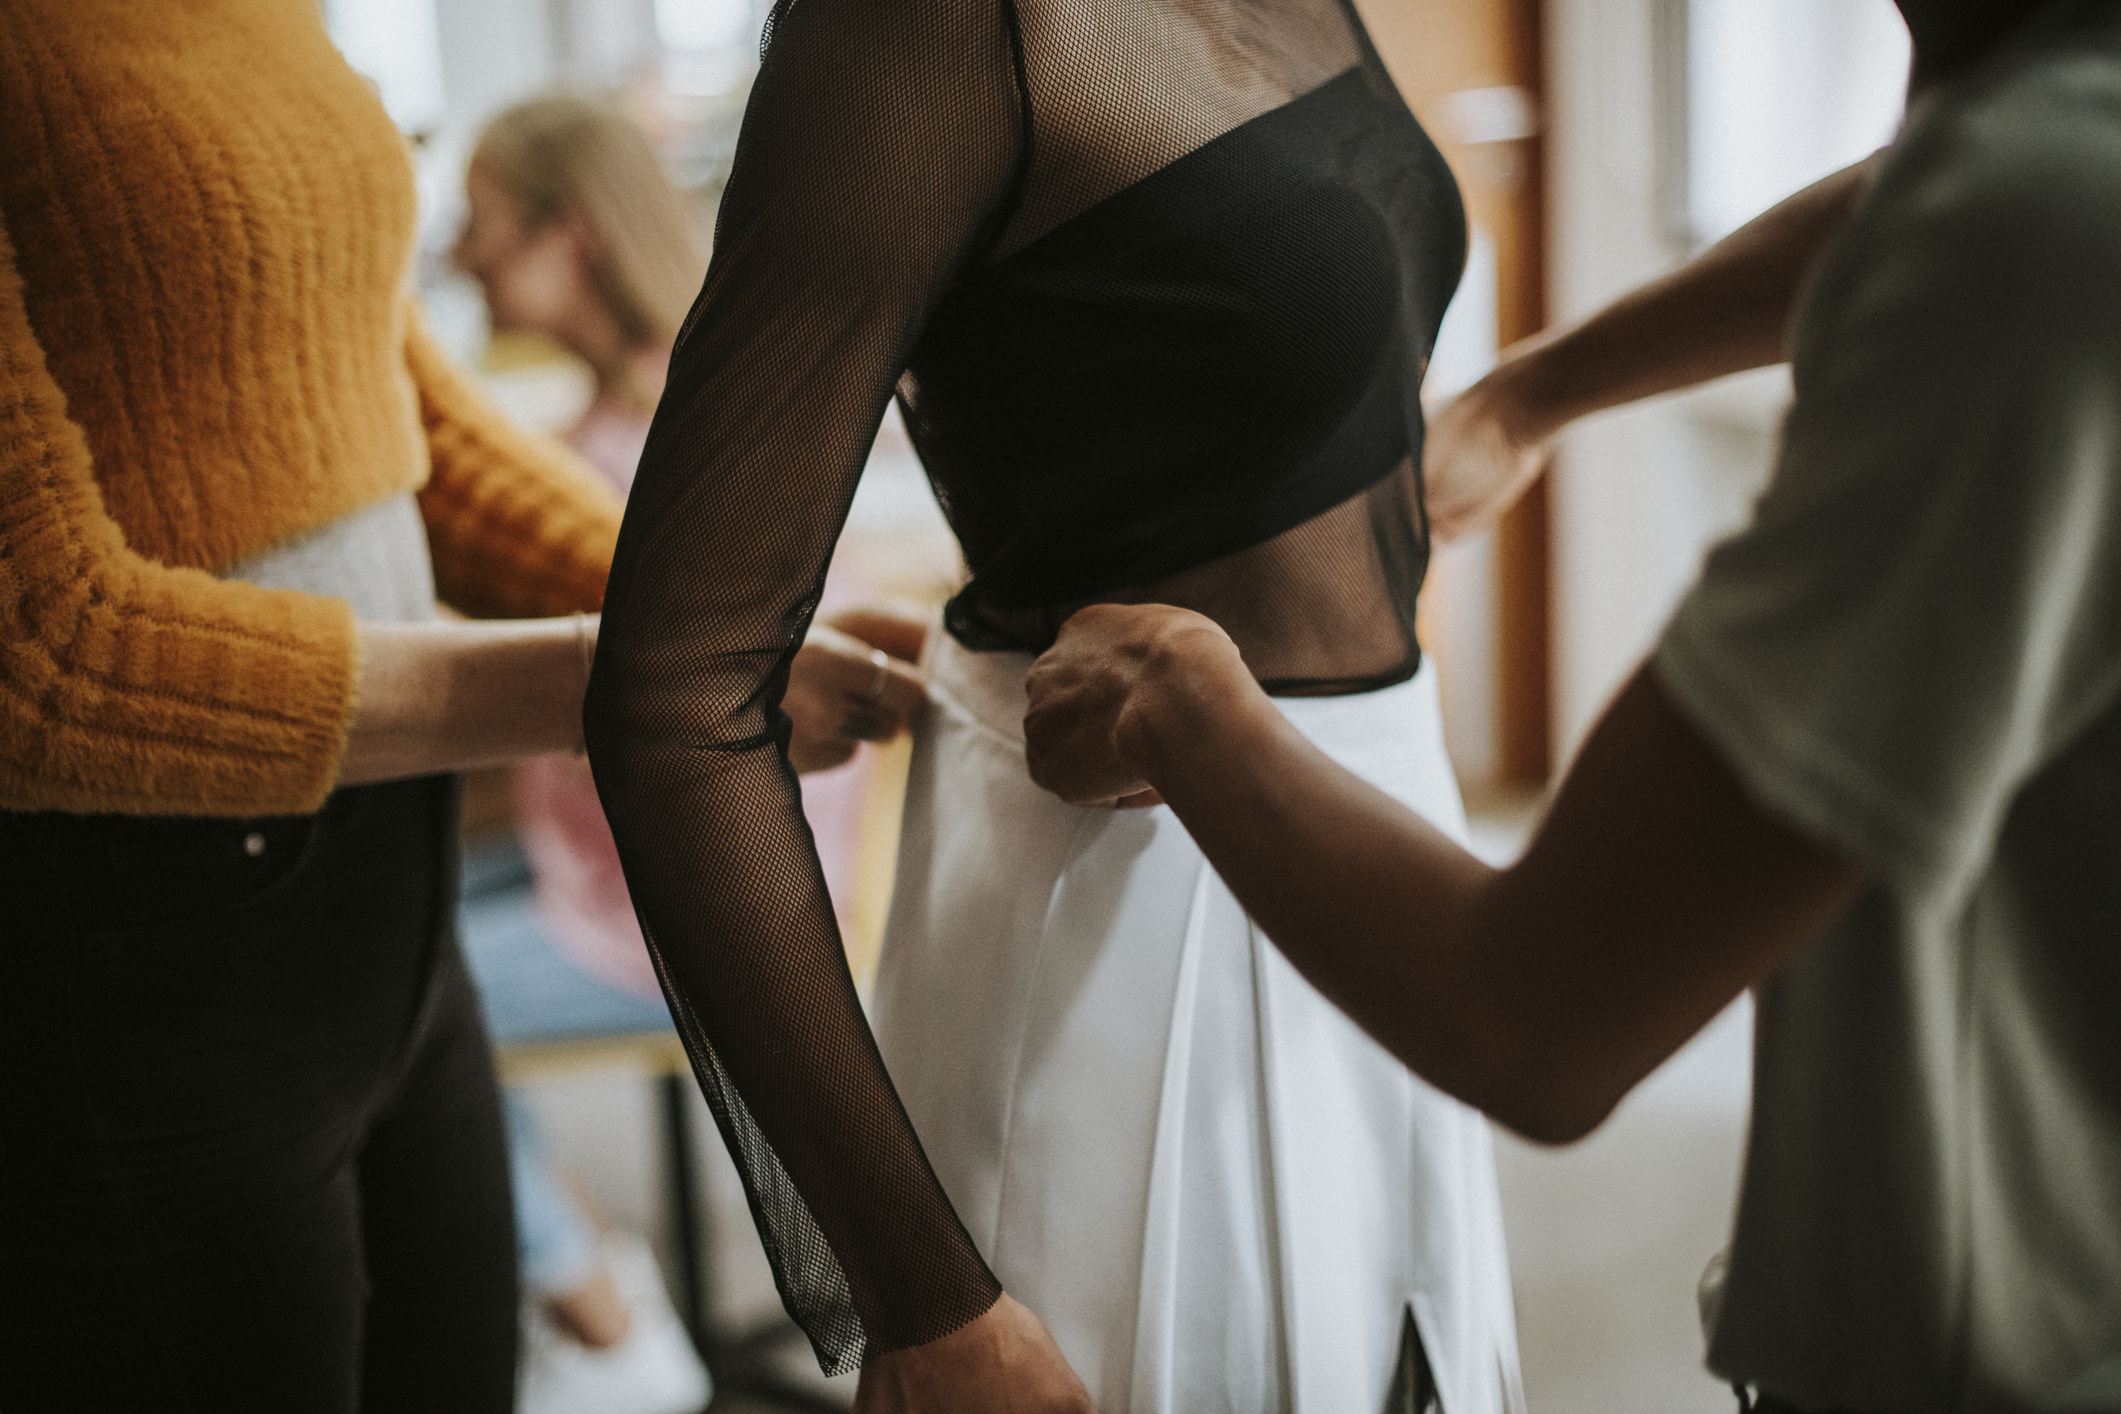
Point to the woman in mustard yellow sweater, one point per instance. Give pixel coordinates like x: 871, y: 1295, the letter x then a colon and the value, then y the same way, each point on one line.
x: 250, y: 1151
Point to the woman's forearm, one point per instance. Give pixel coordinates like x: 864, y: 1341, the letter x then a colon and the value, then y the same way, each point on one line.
x: 456, y: 695
x: 1654, y: 893
x: 1375, y: 906
x: 1725, y: 311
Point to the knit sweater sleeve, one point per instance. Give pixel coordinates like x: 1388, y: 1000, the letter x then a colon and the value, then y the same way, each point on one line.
x: 131, y: 686
x: 519, y: 526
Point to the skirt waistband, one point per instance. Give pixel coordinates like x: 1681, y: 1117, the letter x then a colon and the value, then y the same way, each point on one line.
x: 986, y: 690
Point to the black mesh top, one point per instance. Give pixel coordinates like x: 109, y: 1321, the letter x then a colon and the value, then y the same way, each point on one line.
x: 1155, y: 282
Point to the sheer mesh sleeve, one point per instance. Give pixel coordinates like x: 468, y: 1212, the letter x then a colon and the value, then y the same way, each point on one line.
x: 883, y: 143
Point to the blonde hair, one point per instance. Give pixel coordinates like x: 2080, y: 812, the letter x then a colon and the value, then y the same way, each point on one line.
x: 564, y: 154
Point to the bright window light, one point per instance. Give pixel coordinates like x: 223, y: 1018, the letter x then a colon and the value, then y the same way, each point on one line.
x: 397, y: 46
x: 702, y: 24
x: 1780, y: 94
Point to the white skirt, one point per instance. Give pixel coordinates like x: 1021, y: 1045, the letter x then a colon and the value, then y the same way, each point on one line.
x: 1216, y: 1191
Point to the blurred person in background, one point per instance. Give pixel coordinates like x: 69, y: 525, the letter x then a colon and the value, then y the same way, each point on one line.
x: 575, y: 234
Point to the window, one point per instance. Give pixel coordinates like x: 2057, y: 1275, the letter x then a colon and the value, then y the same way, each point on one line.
x: 1770, y: 95
x: 397, y: 46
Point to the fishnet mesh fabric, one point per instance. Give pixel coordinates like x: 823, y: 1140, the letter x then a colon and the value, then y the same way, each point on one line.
x: 1154, y: 281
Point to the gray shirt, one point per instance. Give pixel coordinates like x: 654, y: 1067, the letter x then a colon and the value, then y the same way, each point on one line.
x: 1914, y: 654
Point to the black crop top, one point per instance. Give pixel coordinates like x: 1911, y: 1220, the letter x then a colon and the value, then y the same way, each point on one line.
x: 1155, y: 282
x: 1212, y: 356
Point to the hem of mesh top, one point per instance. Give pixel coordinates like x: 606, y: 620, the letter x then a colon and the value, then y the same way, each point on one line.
x: 1345, y: 687
x: 964, y: 628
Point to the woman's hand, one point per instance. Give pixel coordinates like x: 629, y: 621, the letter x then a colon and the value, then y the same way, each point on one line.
x: 853, y: 681
x: 1481, y: 453
x: 1003, y: 1363
x: 1113, y: 668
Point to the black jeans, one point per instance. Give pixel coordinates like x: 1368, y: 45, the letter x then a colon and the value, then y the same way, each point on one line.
x: 251, y: 1153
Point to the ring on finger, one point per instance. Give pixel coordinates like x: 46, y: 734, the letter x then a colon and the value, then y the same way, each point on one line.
x: 881, y: 661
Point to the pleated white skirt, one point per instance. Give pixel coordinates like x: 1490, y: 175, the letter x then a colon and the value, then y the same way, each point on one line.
x: 1216, y: 1191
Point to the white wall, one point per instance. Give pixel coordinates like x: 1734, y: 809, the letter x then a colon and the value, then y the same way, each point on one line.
x: 493, y: 52
x: 1622, y: 486
x: 1458, y: 598
x: 1640, y: 494
x: 1780, y: 92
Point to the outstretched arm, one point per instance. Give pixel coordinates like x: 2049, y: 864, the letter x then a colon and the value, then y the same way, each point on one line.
x: 1835, y: 689
x: 1725, y: 311
x: 1654, y: 893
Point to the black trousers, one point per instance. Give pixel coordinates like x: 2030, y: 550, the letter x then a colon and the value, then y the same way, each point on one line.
x: 251, y: 1154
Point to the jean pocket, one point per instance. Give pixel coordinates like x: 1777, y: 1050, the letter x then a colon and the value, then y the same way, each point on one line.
x: 134, y: 879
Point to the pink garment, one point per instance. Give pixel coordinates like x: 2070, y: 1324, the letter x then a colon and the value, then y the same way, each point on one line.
x: 580, y: 891
x: 610, y: 437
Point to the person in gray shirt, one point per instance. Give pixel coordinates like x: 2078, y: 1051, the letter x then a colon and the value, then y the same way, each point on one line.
x: 1872, y: 769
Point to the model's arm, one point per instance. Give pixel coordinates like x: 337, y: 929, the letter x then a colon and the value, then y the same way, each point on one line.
x: 1653, y: 894
x: 879, y: 149
x: 1725, y: 311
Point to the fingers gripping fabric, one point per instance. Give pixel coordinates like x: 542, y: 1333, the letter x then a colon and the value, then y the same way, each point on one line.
x: 1154, y: 283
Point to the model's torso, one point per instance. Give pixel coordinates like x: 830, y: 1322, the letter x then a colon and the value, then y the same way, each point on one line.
x: 1189, y: 366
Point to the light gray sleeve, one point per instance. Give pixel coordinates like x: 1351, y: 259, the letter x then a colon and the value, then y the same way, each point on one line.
x: 1927, y: 606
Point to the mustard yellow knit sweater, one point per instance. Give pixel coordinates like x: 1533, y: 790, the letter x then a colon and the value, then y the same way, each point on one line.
x: 206, y: 347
